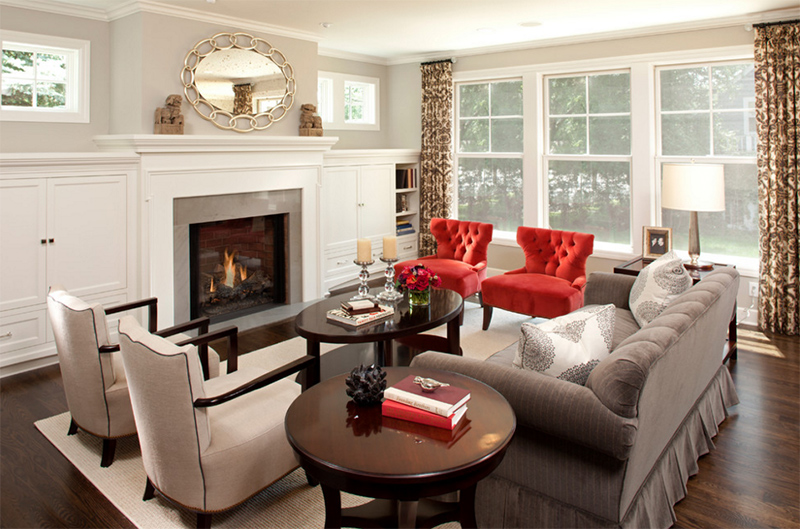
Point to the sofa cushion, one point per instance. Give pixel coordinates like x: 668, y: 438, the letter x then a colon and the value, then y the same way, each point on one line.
x: 570, y: 346
x: 657, y: 285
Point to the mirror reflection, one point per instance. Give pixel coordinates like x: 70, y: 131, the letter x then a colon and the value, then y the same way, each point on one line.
x: 240, y: 82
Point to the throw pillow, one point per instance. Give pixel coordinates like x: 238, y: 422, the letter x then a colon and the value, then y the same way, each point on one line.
x: 656, y: 286
x: 570, y: 346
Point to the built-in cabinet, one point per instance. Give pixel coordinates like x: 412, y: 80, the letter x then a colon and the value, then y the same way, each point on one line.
x: 66, y: 223
x: 359, y: 201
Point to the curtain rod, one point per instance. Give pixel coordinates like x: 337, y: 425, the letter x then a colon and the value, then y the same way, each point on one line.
x: 765, y: 24
x: 436, y: 62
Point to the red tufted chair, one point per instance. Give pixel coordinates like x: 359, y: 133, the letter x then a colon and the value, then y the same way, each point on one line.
x: 460, y: 258
x: 552, y: 281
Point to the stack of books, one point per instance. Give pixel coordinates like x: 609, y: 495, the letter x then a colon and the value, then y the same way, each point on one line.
x: 356, y: 313
x: 405, y: 178
x: 404, y: 227
x: 443, y: 408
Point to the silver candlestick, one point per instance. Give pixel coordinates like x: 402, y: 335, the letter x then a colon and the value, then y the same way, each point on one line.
x: 389, y: 293
x: 363, y: 275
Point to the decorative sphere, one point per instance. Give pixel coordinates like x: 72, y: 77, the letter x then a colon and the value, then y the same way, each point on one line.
x: 365, y: 385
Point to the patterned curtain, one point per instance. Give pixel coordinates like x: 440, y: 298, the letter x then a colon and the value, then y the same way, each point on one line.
x: 436, y: 175
x: 242, y: 99
x: 777, y: 74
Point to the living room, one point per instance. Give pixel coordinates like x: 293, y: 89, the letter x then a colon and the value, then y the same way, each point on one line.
x: 138, y: 54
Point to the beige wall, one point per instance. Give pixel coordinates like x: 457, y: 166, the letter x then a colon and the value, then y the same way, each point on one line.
x: 21, y: 136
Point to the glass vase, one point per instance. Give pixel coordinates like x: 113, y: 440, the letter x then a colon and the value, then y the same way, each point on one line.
x: 419, y: 298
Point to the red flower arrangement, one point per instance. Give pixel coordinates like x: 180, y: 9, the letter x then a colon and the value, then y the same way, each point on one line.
x: 417, y: 277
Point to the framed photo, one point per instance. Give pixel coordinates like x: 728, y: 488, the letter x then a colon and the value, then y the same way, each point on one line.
x: 656, y: 241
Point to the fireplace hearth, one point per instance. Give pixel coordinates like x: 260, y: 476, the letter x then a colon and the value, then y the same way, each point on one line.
x: 238, y: 266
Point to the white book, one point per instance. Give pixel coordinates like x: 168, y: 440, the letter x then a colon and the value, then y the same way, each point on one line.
x: 341, y: 316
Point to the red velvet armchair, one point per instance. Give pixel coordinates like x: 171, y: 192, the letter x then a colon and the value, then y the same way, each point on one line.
x: 460, y: 258
x: 552, y: 281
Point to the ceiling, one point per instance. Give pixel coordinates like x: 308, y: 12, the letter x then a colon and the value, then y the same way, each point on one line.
x: 393, y: 31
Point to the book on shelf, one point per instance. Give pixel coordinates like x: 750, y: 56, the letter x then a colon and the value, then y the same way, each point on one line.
x: 405, y: 178
x: 398, y: 410
x: 355, y: 320
x: 444, y: 401
x: 441, y: 436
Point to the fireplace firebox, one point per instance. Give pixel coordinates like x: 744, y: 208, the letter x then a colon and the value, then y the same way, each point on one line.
x: 238, y: 266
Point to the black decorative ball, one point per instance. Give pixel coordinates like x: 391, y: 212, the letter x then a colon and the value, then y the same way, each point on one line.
x: 365, y: 385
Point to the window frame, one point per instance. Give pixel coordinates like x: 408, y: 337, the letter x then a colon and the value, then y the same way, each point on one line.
x: 548, y: 157
x: 78, y: 54
x: 457, y: 153
x: 645, y: 206
x: 333, y: 116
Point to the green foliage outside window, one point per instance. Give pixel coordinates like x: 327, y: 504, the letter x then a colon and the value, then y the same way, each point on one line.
x: 32, y: 79
x: 490, y: 190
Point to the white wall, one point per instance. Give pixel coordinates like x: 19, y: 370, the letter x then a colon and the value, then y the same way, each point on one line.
x: 21, y: 136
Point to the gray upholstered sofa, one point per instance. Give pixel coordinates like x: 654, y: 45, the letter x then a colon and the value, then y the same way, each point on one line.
x: 618, y: 451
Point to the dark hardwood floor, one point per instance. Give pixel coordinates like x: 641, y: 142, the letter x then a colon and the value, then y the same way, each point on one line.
x: 752, y: 479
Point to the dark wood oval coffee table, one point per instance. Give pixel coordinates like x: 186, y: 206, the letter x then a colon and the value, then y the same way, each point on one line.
x: 446, y: 305
x: 355, y: 449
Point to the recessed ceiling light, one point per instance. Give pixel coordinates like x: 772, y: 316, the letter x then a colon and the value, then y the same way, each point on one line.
x: 325, y: 25
x: 531, y: 24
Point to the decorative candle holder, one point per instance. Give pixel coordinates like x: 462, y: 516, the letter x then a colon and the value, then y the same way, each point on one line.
x: 363, y: 288
x: 389, y: 293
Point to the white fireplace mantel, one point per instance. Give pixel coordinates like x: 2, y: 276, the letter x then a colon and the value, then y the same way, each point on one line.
x: 173, y: 166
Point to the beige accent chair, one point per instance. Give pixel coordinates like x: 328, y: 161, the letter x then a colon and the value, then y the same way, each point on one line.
x: 206, y: 445
x: 91, y: 367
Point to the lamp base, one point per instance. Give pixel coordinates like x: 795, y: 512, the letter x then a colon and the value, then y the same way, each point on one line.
x: 698, y: 265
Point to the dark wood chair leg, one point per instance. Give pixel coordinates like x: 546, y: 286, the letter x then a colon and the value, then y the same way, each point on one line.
x: 73, y: 427
x: 461, y: 316
x: 487, y: 316
x: 109, y: 447
x: 480, y: 298
x: 204, y: 520
x: 149, y: 491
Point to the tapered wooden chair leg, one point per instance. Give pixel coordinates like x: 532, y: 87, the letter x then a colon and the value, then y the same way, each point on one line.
x: 487, y: 316
x: 149, y: 491
x: 109, y: 447
x: 204, y: 520
x: 73, y: 427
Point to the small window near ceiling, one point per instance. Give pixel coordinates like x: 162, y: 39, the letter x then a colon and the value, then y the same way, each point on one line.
x: 44, y: 78
x: 348, y: 102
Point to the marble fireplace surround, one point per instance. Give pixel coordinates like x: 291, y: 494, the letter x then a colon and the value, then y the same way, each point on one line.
x: 178, y: 167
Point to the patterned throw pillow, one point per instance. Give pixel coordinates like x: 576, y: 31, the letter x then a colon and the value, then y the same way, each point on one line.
x: 656, y: 286
x: 570, y: 346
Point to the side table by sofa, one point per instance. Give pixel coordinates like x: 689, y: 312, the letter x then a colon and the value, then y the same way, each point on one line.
x: 635, y: 265
x: 355, y: 449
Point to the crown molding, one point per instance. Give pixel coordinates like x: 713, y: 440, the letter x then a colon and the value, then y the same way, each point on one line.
x: 155, y: 7
x: 717, y: 23
x: 350, y: 56
x: 58, y: 8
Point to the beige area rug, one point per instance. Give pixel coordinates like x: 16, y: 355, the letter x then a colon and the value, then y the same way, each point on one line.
x: 289, y: 503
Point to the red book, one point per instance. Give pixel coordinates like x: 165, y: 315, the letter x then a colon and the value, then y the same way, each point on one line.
x: 398, y: 410
x: 444, y: 401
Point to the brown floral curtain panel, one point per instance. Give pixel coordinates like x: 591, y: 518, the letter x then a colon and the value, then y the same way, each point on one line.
x: 777, y: 75
x: 436, y: 174
x: 242, y: 99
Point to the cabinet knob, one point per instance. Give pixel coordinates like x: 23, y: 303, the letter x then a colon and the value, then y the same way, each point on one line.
x: 6, y: 335
x: 44, y: 241
x: 51, y: 241
x: 410, y: 246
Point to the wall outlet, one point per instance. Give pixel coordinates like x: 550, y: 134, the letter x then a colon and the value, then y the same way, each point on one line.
x: 753, y: 289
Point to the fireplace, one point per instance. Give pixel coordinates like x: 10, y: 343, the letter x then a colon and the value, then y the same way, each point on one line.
x: 238, y: 266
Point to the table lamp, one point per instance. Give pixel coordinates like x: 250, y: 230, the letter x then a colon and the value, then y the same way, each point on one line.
x: 693, y: 187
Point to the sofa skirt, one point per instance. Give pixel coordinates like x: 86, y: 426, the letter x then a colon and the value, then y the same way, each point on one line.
x: 503, y: 503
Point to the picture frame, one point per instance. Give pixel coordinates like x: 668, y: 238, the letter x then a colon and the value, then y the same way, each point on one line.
x: 656, y: 241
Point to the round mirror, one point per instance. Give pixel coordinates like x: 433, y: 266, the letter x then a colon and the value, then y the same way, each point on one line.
x: 238, y: 82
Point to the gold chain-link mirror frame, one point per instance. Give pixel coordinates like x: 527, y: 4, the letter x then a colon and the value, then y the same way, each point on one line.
x: 221, y: 118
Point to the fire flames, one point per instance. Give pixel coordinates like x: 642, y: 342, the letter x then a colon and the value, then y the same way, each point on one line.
x: 235, y: 273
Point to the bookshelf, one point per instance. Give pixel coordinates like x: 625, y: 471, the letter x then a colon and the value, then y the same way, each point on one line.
x: 407, y: 209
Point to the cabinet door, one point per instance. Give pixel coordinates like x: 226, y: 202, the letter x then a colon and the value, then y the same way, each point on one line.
x: 377, y: 201
x: 88, y: 224
x: 339, y: 203
x: 23, y: 256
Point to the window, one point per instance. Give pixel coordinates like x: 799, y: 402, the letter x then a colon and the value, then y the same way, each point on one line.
x: 588, y: 155
x: 707, y: 116
x: 348, y: 101
x: 489, y: 153
x: 44, y: 78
